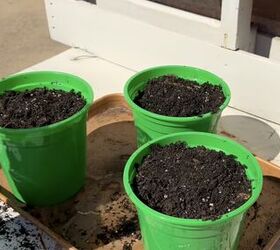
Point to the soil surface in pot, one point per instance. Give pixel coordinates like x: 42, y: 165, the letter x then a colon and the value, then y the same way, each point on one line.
x: 195, y: 183
x: 38, y: 107
x: 174, y: 96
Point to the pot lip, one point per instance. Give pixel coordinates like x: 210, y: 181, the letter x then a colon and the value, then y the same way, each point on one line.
x: 223, y: 84
x: 191, y: 222
x: 56, y: 124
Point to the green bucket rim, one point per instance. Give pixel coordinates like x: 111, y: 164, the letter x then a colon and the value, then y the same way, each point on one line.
x: 131, y: 102
x: 57, y: 124
x: 191, y: 222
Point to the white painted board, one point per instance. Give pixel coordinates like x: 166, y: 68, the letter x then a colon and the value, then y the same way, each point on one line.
x: 254, y: 80
x: 166, y: 17
x: 104, y: 77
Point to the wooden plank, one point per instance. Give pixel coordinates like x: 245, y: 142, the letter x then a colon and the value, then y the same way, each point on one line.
x: 268, y: 168
x: 236, y: 24
x: 274, y: 243
x: 3, y: 180
x: 120, y: 113
x: 181, y: 22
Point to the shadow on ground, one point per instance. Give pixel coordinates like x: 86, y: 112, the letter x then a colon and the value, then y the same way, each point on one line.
x: 256, y: 135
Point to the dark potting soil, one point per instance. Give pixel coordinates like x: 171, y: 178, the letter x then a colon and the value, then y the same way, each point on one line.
x: 124, y: 225
x: 38, y: 107
x: 91, y: 1
x: 195, y: 183
x: 174, y: 96
x: 16, y: 232
x: 127, y: 246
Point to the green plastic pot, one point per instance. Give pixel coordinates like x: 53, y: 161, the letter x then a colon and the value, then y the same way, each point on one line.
x: 163, y: 232
x: 151, y: 125
x: 46, y: 165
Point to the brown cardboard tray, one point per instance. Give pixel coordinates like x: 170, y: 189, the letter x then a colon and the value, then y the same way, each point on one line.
x: 101, y: 217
